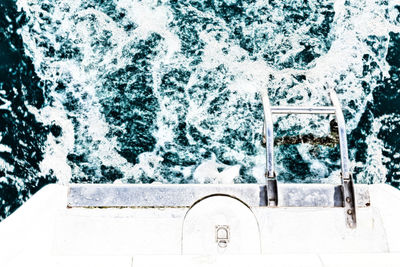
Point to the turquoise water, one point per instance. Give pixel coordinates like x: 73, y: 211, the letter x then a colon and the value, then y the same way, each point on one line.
x: 167, y: 91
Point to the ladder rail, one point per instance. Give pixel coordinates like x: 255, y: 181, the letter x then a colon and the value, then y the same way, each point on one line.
x: 344, y: 155
x: 269, y: 135
x: 347, y: 179
x: 271, y: 183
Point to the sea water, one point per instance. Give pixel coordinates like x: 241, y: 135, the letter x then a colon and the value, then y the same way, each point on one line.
x: 128, y: 91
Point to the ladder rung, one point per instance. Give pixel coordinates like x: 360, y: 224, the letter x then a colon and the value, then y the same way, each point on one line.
x: 302, y: 110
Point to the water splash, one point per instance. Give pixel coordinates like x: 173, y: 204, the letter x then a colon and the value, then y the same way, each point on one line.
x: 155, y: 91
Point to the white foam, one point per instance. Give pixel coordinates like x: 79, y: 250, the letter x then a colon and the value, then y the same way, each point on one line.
x: 56, y: 148
x: 228, y: 68
x: 4, y: 148
x: 207, y: 172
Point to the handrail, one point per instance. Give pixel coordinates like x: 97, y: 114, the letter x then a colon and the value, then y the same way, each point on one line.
x: 344, y: 156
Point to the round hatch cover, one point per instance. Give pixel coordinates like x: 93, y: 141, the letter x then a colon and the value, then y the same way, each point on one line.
x: 220, y: 225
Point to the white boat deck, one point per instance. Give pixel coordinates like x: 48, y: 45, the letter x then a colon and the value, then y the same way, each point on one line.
x: 45, y: 232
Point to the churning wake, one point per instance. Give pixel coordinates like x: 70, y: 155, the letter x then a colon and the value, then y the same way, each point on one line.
x: 168, y: 91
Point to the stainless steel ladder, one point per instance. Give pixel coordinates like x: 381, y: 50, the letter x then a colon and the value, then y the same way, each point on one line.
x: 346, y: 176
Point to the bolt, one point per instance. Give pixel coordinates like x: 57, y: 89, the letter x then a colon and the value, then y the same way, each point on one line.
x: 349, y: 212
x: 348, y: 199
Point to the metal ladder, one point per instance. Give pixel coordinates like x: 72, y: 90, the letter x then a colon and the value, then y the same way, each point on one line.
x: 346, y: 176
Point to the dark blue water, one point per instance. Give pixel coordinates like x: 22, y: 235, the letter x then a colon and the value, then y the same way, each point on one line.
x: 144, y: 91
